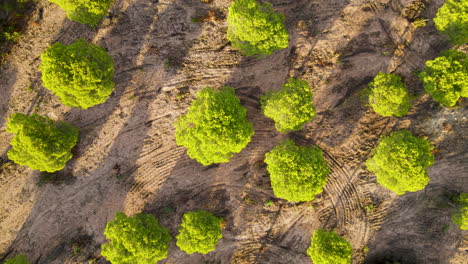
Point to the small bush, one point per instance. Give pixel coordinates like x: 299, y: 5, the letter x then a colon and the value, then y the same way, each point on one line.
x: 329, y: 248
x: 255, y: 28
x: 452, y: 19
x: 40, y: 143
x: 135, y: 239
x: 388, y: 95
x: 199, y: 232
x: 80, y: 74
x: 446, y: 77
x: 297, y: 173
x: 400, y: 162
x: 20, y: 259
x: 84, y: 11
x: 461, y: 216
x: 215, y: 127
x: 291, y: 107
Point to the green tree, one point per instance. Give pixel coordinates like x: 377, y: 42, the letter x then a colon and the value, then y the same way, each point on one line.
x: 199, y: 232
x: 297, y: 173
x: 255, y: 28
x: 80, y: 74
x: 452, y: 19
x: 138, y: 239
x: 40, y: 143
x: 400, y: 162
x: 461, y: 216
x: 388, y: 95
x: 85, y: 11
x: 446, y: 78
x: 215, y: 126
x: 20, y: 259
x: 291, y: 107
x: 329, y: 248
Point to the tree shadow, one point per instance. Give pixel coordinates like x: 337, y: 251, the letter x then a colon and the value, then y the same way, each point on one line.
x: 117, y: 131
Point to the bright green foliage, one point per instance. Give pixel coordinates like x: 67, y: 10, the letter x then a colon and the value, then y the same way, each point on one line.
x: 215, y: 126
x: 400, y: 162
x: 446, y: 77
x: 388, y: 95
x: 199, y: 232
x: 84, y: 11
x: 461, y: 217
x: 138, y: 239
x: 20, y: 259
x: 329, y: 248
x: 297, y: 173
x: 452, y: 19
x: 290, y: 107
x: 80, y: 73
x: 255, y: 28
x: 40, y: 143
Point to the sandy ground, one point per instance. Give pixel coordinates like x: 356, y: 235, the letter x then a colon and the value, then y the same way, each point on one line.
x: 127, y: 159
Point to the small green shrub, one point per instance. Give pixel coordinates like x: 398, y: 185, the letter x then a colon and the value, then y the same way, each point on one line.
x: 400, y: 162
x: 461, y: 216
x: 215, y: 126
x: 138, y: 239
x: 291, y: 107
x: 80, y: 74
x: 446, y: 77
x: 20, y: 259
x: 329, y: 248
x: 84, y: 11
x: 297, y: 173
x: 452, y: 19
x: 255, y: 28
x: 40, y: 143
x: 388, y: 95
x: 199, y: 232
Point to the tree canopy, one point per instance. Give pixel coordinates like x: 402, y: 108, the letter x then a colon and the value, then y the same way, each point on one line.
x: 80, y: 74
x: 446, y: 77
x: 329, y: 248
x: 84, y: 11
x: 215, y: 126
x: 297, y: 173
x: 461, y: 216
x: 40, y: 143
x: 138, y: 239
x: 388, y: 95
x: 199, y: 232
x: 20, y: 259
x: 291, y: 107
x: 452, y: 19
x: 400, y: 162
x: 255, y: 28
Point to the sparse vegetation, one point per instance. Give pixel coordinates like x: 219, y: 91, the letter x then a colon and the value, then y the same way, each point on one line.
x: 329, y: 248
x: 461, y: 216
x: 388, y: 95
x: 291, y: 107
x: 446, y: 77
x: 80, y: 74
x: 255, y: 28
x: 215, y: 126
x: 400, y: 162
x: 297, y: 173
x: 199, y: 232
x: 85, y: 11
x: 20, y: 259
x: 40, y: 143
x: 135, y: 239
x: 452, y: 19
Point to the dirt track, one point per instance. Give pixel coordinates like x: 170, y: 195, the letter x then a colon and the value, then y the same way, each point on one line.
x: 127, y: 159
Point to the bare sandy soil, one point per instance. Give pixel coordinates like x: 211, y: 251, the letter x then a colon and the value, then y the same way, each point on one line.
x: 127, y: 159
